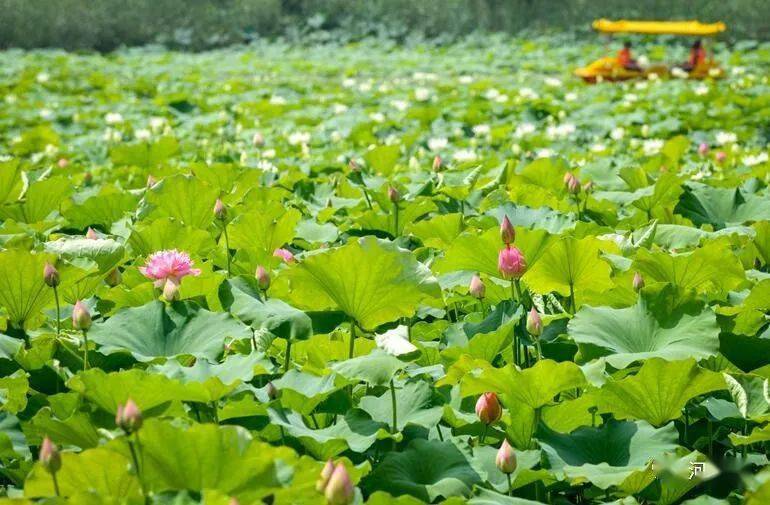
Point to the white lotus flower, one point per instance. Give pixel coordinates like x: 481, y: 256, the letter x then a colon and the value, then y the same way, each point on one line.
x: 652, y: 146
x: 723, y: 138
x: 437, y: 144
x: 552, y: 82
x: 524, y: 129
x: 400, y: 105
x: 113, y: 118
x: 395, y: 342
x: 277, y: 100
x: 481, y: 130
x: 142, y: 134
x: 701, y: 90
x: 751, y: 160
x: 617, y: 133
x: 296, y: 138
x: 464, y: 155
x: 422, y: 94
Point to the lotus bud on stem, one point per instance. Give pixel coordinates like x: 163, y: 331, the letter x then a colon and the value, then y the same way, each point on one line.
x: 488, y: 410
x: 52, y: 280
x: 220, y: 214
x: 506, y: 462
x: 50, y: 459
x: 81, y: 320
x: 395, y: 197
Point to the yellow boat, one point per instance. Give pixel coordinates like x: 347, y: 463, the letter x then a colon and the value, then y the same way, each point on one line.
x: 609, y: 68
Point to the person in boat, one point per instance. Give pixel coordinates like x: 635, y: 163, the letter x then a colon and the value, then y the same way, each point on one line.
x: 625, y: 59
x: 697, y: 57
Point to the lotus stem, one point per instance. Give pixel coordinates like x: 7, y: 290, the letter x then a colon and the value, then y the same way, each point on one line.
x: 55, y: 484
x: 227, y: 250
x: 351, y: 349
x: 394, y: 426
x: 287, y: 358
x: 438, y: 430
x: 58, y: 311
x: 395, y: 219
x: 85, y: 350
x: 510, y: 484
x: 134, y: 447
x: 539, y: 349
x: 572, y: 306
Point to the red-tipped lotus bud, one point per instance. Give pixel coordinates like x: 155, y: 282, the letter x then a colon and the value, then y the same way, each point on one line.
x: 171, y: 291
x: 258, y: 140
x: 488, y: 408
x: 263, y: 278
x: 326, y: 474
x: 567, y: 177
x: 353, y: 166
x: 534, y: 323
x: 506, y: 458
x: 285, y: 255
x: 437, y: 163
x: 63, y: 162
x: 511, y: 263
x: 129, y: 417
x: 588, y: 187
x: 51, y: 275
x: 721, y: 156
x: 393, y: 194
x: 81, y: 318
x: 151, y: 181
x: 573, y: 186
x: 49, y: 456
x: 339, y: 490
x: 272, y: 391
x: 113, y: 278
x: 703, y: 149
x: 638, y: 282
x: 220, y: 211
x: 507, y: 233
x: 91, y: 234
x: 477, y: 288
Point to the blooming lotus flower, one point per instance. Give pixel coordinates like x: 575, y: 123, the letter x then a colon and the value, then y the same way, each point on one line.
x: 49, y: 456
x: 326, y: 474
x: 506, y: 458
x: 129, y: 416
x: 263, y: 278
x: 638, y: 282
x: 285, y: 255
x: 167, y: 265
x: 51, y: 275
x: 511, y: 263
x: 534, y: 323
x: 477, y: 288
x: 488, y: 408
x: 339, y: 490
x: 703, y: 149
x: 81, y: 318
x: 507, y: 233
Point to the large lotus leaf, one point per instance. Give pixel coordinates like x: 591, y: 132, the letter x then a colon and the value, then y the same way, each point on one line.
x: 102, y: 207
x: 98, y: 471
x: 541, y: 218
x: 355, y: 431
x: 751, y: 316
x: 665, y: 194
x: 487, y: 497
x: 104, y: 252
x: 370, y: 280
x: 659, y: 391
x: 13, y: 392
x: 426, y: 469
x: 535, y: 386
x: 472, y: 252
x: 635, y: 333
x: 609, y: 454
x: 712, y: 270
x: 258, y: 233
x: 159, y: 330
x: 570, y: 264
x: 76, y: 429
x: 414, y: 405
x: 242, y: 299
x: 302, y: 391
x: 9, y: 346
x: 438, y: 231
x: 762, y: 240
x: 165, y: 233
x: 186, y: 199
x: 42, y: 200
x: 11, y: 183
x: 749, y: 392
x: 23, y: 292
x: 376, y: 368
x: 721, y: 207
x: 408, y: 212
x: 13, y: 441
x: 487, y: 338
x: 145, y: 154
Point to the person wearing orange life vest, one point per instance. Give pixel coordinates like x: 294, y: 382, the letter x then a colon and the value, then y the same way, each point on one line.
x: 697, y: 57
x: 625, y: 59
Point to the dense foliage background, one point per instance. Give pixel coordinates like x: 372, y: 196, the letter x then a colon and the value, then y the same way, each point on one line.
x: 197, y: 24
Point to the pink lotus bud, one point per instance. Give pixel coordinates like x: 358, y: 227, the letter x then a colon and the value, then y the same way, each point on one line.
x: 534, y: 323
x: 220, y: 211
x: 353, y: 166
x: 49, y: 456
x: 437, y: 163
x: 113, y: 278
x: 588, y: 187
x: 151, y: 181
x: 272, y: 391
x: 721, y: 156
x: 511, y: 263
x: 51, y: 275
x: 326, y: 474
x: 393, y: 194
x: 477, y: 287
x: 339, y: 489
x: 285, y: 255
x: 573, y: 186
x: 263, y: 278
x: 171, y: 291
x: 638, y: 282
x: 258, y: 140
x: 568, y: 177
x: 129, y: 417
x: 507, y: 233
x: 63, y: 162
x: 81, y: 318
x: 91, y: 234
x: 703, y: 149
x: 506, y: 458
x: 488, y: 408
x: 233, y: 501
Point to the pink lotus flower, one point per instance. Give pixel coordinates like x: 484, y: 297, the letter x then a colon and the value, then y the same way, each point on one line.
x: 703, y: 149
x: 339, y: 489
x: 285, y: 255
x: 506, y: 458
x: 129, y: 416
x: 169, y: 265
x: 263, y: 278
x: 477, y: 288
x: 511, y: 263
x: 488, y: 408
x: 534, y: 323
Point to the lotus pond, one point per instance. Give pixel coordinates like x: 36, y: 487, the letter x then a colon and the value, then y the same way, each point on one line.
x: 383, y: 274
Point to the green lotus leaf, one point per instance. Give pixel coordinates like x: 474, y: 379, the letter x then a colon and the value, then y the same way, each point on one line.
x: 160, y: 234
x: 722, y: 207
x: 257, y: 234
x: 523, y: 475
x: 11, y: 183
x: 145, y: 154
x: 102, y: 207
x: 13, y: 392
x: 749, y: 392
x: 372, y: 281
x: 571, y: 265
x: 376, y: 368
x: 487, y: 497
x: 23, y: 292
x: 42, y: 201
x: 13, y: 442
x: 659, y: 391
x: 437, y: 231
x: 449, y: 473
x: 541, y: 218
x: 533, y: 387
x: 751, y: 315
x: 9, y: 346
x: 665, y: 194
x: 76, y: 429
x: 185, y: 199
x: 607, y: 455
x: 303, y: 392
x: 158, y: 330
x: 623, y: 336
x: 414, y: 405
